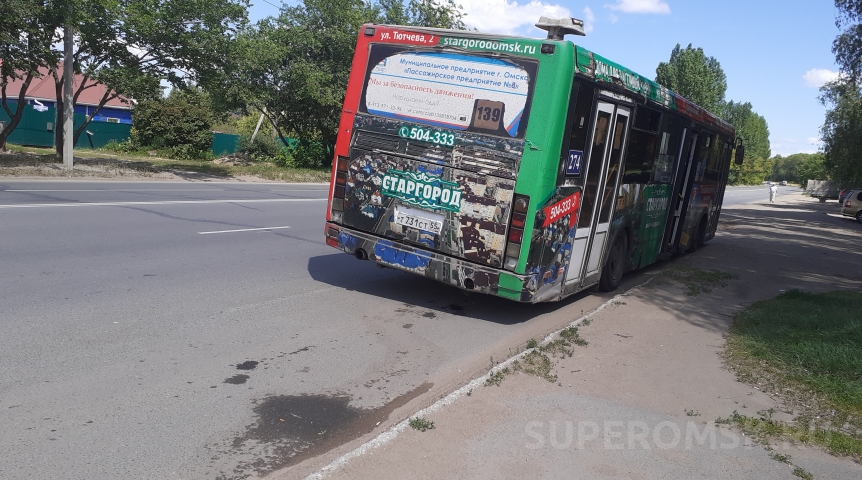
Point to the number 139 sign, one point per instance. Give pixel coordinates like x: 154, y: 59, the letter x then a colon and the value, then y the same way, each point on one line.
x: 573, y: 163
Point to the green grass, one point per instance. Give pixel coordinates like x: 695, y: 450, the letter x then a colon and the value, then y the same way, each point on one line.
x: 421, y: 424
x: 113, y: 163
x: 807, y: 349
x: 815, y: 338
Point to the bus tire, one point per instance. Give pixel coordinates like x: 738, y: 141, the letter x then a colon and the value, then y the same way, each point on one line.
x: 699, y: 235
x: 615, y: 265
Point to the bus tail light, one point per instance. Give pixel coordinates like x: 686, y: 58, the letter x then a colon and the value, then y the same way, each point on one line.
x: 520, y: 205
x: 339, y: 192
x: 332, y: 236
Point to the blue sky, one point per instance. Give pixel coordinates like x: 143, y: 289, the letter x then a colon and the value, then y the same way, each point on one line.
x: 775, y: 53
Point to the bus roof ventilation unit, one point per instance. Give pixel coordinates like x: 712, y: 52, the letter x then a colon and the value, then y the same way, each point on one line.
x: 558, y: 27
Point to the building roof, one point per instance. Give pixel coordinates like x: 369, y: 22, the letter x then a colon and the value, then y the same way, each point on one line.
x: 42, y: 88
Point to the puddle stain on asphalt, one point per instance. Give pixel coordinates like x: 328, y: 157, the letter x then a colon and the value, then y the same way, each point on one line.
x: 237, y: 379
x: 291, y: 428
x: 247, y: 365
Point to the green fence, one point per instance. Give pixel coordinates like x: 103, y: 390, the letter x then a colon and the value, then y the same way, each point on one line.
x: 36, y: 129
x: 225, y: 143
x: 99, y: 134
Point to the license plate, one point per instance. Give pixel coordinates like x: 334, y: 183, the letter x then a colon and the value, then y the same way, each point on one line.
x: 419, y: 219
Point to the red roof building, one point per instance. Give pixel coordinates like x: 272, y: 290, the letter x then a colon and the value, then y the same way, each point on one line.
x: 42, y: 95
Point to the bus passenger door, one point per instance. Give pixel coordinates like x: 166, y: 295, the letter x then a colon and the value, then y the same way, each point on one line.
x: 682, y: 190
x: 598, y: 199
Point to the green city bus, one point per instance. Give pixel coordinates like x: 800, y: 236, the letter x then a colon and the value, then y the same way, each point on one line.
x: 524, y: 168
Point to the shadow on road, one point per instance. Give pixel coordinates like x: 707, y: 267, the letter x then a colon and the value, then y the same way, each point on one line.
x: 770, y: 249
x: 413, y: 290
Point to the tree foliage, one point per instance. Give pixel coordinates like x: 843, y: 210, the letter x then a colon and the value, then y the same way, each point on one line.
x: 426, y: 13
x: 842, y: 131
x: 847, y: 47
x: 130, y: 45
x: 181, y: 122
x: 127, y: 45
x: 294, y: 68
x: 27, y: 32
x: 799, y: 168
x: 695, y: 76
x: 751, y: 128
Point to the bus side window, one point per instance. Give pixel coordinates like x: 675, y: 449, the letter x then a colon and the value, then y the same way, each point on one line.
x: 641, y: 152
x: 639, y: 157
x: 715, y: 156
x: 580, y: 126
x: 668, y: 153
x: 594, y: 172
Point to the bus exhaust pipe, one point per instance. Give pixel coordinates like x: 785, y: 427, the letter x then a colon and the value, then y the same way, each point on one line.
x: 360, y: 254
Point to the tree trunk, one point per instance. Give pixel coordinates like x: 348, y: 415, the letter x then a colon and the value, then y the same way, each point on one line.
x: 15, y: 118
x: 58, y: 110
x: 87, y: 119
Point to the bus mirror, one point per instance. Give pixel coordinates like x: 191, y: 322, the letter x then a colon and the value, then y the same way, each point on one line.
x: 740, y: 154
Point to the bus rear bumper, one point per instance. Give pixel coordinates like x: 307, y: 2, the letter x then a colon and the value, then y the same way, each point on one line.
x: 452, y: 271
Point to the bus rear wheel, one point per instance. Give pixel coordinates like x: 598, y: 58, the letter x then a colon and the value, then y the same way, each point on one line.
x: 615, y: 266
x: 700, y: 235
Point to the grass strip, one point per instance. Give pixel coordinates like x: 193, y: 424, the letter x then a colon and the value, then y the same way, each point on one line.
x: 806, y: 349
x: 101, y: 163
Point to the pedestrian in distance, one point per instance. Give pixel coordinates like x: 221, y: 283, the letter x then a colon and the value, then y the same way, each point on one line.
x: 773, y: 189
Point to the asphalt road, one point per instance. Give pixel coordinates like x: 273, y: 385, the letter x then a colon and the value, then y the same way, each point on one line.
x: 204, y: 330
x: 759, y: 194
x: 133, y: 315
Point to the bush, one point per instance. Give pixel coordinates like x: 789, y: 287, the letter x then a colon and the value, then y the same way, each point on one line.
x: 262, y: 149
x: 181, y: 123
x: 310, y: 155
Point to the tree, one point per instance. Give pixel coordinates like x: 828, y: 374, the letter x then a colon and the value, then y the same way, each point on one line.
x: 842, y: 131
x: 799, y: 168
x: 426, y: 13
x: 129, y: 46
x: 27, y: 31
x: 753, y: 131
x: 847, y: 47
x: 751, y: 128
x: 294, y: 68
x: 695, y: 76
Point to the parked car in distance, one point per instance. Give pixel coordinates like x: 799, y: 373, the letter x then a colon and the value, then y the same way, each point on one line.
x: 844, y: 193
x: 783, y: 183
x: 853, y: 205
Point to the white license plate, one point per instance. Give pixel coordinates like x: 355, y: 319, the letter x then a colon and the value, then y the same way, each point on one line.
x: 419, y: 219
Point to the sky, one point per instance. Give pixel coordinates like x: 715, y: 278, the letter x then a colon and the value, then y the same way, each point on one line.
x: 776, y: 54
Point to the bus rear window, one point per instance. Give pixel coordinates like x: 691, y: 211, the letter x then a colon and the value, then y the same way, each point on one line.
x: 476, y: 93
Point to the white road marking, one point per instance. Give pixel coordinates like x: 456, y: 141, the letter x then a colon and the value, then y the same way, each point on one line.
x: 244, y: 230
x: 120, y: 190
x: 165, y: 202
x: 393, y: 432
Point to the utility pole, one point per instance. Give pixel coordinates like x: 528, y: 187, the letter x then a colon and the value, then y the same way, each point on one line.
x: 68, y: 108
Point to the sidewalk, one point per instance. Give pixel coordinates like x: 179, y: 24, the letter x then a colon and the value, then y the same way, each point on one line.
x: 640, y: 400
